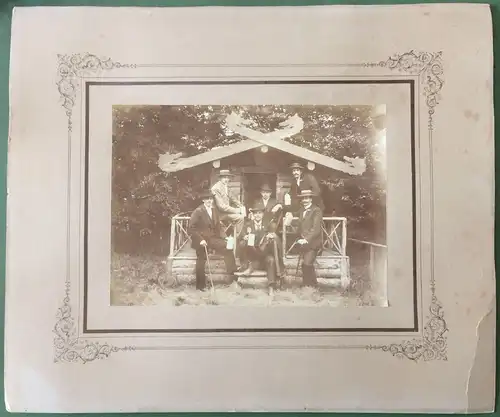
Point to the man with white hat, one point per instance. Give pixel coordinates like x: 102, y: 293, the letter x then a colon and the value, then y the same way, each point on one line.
x: 310, y: 236
x: 229, y: 207
x: 304, y: 181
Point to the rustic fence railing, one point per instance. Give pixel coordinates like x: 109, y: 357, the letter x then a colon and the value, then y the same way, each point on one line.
x: 377, y: 268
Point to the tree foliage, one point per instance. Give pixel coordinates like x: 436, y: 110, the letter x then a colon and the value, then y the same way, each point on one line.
x: 145, y: 198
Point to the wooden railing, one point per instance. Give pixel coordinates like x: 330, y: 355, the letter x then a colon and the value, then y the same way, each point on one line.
x: 179, y: 236
x: 334, y: 230
x: 377, y: 267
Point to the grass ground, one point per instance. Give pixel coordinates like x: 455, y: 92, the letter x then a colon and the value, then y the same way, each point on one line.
x: 135, y: 280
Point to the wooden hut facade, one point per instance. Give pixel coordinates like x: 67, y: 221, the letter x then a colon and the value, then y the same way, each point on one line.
x: 251, y: 167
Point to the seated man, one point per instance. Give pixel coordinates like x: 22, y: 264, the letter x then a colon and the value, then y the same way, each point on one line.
x: 261, y: 247
x: 310, y: 240
x: 271, y: 206
x: 229, y: 207
x: 206, y: 235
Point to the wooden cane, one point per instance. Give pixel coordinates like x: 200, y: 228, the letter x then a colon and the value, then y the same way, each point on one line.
x: 209, y: 272
x: 298, y: 264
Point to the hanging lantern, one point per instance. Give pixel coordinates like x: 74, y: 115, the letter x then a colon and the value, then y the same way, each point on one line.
x: 311, y: 166
x: 216, y: 164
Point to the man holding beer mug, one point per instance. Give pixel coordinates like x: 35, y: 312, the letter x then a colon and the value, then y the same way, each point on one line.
x: 260, y: 246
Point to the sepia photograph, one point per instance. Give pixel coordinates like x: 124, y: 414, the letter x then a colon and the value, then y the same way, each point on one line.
x: 257, y: 205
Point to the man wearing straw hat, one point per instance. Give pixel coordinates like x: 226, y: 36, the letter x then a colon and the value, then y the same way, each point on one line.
x: 304, y: 181
x: 229, y: 207
x: 310, y: 239
x: 206, y: 235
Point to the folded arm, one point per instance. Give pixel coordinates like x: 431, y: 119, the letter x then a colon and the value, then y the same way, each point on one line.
x: 222, y: 203
x: 315, y: 230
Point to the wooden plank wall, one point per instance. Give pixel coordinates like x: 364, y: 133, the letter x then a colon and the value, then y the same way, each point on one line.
x: 282, y: 185
x: 235, y: 186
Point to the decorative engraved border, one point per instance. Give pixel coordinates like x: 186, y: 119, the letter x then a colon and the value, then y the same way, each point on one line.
x: 68, y: 347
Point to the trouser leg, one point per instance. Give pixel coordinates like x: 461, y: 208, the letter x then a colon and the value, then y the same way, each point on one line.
x: 270, y: 268
x: 236, y: 220
x: 201, y: 278
x: 219, y: 246
x: 308, y: 271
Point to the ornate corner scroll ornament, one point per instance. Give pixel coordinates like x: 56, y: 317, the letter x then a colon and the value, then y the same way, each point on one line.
x: 74, y: 66
x: 69, y: 347
x: 429, y: 67
x: 433, y: 344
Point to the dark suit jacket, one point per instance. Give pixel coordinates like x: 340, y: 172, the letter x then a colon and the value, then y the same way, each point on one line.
x: 250, y: 224
x: 202, y: 227
x: 268, y: 214
x: 310, y: 226
x: 308, y: 182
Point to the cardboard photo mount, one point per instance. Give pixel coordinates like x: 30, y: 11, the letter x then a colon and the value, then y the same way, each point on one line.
x: 432, y: 350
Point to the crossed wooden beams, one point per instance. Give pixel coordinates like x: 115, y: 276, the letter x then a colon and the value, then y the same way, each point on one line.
x: 173, y: 163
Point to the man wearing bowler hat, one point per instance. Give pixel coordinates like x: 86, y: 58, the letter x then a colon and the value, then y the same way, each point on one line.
x: 304, y: 181
x: 207, y: 235
x: 229, y: 207
x: 271, y: 206
x: 260, y: 247
x: 310, y: 239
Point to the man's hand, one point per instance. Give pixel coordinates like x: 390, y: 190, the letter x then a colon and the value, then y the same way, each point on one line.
x: 271, y: 235
x: 276, y: 208
x: 245, y: 238
x: 203, y: 243
x: 302, y: 242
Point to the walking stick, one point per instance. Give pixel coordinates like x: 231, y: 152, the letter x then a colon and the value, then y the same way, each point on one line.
x: 278, y: 264
x: 209, y: 272
x: 298, y: 264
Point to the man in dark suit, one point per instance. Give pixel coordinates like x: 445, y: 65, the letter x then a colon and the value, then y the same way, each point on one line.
x: 304, y: 181
x: 261, y: 247
x: 310, y: 236
x: 271, y: 206
x: 206, y: 235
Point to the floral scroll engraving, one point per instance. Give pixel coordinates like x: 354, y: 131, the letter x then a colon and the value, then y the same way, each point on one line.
x: 432, y: 346
x: 74, y: 66
x: 429, y: 67
x: 69, y: 347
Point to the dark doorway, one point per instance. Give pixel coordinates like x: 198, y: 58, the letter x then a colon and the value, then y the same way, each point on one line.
x: 252, y: 183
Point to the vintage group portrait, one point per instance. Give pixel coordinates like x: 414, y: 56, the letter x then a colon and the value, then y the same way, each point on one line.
x: 249, y: 205
x: 292, y: 211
